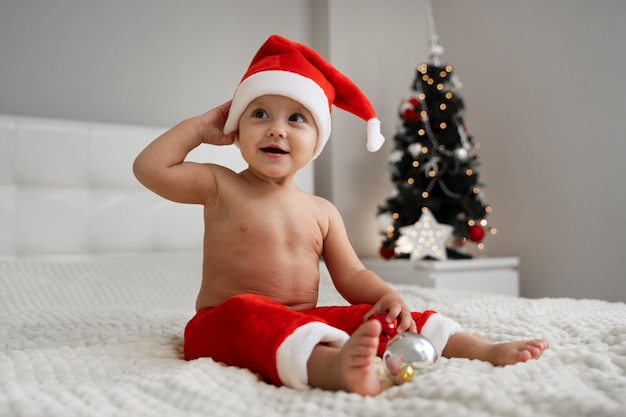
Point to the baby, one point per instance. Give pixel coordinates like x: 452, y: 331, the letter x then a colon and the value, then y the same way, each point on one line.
x: 264, y: 237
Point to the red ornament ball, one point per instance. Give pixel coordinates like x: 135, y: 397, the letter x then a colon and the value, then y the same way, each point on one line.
x: 410, y: 115
x: 476, y: 233
x: 410, y: 110
x: 388, y: 331
x: 387, y: 253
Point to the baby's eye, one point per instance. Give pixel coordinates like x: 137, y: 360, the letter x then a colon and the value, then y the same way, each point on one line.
x: 260, y: 114
x: 297, y: 118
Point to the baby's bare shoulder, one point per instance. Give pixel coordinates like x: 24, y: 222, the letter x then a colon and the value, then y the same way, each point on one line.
x: 325, y: 205
x: 226, y: 178
x: 321, y: 204
x: 319, y: 201
x: 224, y: 171
x: 327, y: 214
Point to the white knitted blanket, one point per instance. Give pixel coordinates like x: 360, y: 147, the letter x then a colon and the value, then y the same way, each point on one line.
x: 103, y: 337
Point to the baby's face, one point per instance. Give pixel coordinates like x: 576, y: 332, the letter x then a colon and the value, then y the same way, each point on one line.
x: 278, y: 134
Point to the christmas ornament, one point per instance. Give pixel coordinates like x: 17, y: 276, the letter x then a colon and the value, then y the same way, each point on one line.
x: 387, y: 333
x: 461, y: 154
x: 385, y: 220
x: 415, y: 149
x: 410, y: 110
x: 425, y: 238
x: 406, y: 355
x: 476, y: 233
x: 386, y: 253
x: 395, y: 156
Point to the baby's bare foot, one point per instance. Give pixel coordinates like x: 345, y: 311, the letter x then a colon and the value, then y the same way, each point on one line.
x: 356, y: 360
x: 514, y: 352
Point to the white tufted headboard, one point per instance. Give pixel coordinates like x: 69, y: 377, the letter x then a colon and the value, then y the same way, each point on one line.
x: 67, y: 187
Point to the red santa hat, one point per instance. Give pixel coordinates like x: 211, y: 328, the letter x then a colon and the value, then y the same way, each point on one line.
x: 286, y: 68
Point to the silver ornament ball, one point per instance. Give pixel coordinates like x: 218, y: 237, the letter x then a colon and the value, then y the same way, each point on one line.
x: 461, y: 154
x: 384, y: 220
x: 406, y: 355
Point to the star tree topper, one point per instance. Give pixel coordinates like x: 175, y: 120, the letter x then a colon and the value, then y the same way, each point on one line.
x: 425, y: 238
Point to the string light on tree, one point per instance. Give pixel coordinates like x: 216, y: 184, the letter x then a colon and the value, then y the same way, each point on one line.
x: 433, y: 165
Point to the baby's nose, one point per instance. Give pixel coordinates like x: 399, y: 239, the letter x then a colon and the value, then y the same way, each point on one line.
x: 277, y: 129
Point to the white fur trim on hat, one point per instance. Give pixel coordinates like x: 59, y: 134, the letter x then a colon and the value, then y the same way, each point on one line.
x: 283, y: 83
x: 375, y: 139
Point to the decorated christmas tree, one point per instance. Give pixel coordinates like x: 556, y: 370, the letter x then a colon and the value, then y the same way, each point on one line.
x: 437, y: 203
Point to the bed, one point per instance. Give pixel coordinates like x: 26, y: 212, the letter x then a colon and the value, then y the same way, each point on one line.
x: 98, y: 278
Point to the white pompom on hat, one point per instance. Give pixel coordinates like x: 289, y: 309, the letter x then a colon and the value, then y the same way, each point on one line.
x: 286, y: 68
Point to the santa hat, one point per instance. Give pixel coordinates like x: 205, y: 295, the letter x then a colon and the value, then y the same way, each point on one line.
x: 286, y: 68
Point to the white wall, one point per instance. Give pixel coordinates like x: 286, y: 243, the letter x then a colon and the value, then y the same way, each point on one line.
x: 544, y: 92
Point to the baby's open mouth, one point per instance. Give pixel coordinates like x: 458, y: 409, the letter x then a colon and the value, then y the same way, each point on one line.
x: 271, y: 149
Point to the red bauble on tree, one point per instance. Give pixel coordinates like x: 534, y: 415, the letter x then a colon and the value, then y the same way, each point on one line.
x: 411, y: 110
x: 476, y: 233
x: 386, y: 253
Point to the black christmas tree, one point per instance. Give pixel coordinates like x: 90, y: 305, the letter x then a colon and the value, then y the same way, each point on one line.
x: 433, y: 164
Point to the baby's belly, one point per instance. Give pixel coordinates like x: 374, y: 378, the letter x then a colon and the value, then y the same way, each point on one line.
x: 295, y: 289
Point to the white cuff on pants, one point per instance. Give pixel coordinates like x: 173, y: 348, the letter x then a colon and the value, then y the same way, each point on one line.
x: 438, y: 330
x: 293, y: 354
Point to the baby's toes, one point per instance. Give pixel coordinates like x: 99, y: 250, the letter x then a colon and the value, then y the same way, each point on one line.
x: 535, y: 347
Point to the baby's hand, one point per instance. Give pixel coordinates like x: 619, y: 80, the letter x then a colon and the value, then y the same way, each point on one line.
x: 395, y: 308
x: 213, y: 126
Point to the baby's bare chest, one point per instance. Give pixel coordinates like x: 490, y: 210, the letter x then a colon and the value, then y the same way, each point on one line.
x: 267, y: 221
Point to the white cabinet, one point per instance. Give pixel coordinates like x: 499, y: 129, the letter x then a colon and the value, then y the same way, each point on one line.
x: 498, y: 275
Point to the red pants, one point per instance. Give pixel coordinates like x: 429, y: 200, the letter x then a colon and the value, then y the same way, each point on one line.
x: 264, y: 336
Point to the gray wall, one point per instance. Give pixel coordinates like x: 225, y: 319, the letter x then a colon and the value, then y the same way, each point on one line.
x: 545, y: 88
x: 543, y: 85
x: 140, y: 61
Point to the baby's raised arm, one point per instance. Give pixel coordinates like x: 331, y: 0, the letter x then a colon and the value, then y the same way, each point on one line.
x: 161, y: 166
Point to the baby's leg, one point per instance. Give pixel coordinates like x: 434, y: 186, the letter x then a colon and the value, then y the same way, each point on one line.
x: 350, y: 368
x: 464, y: 345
